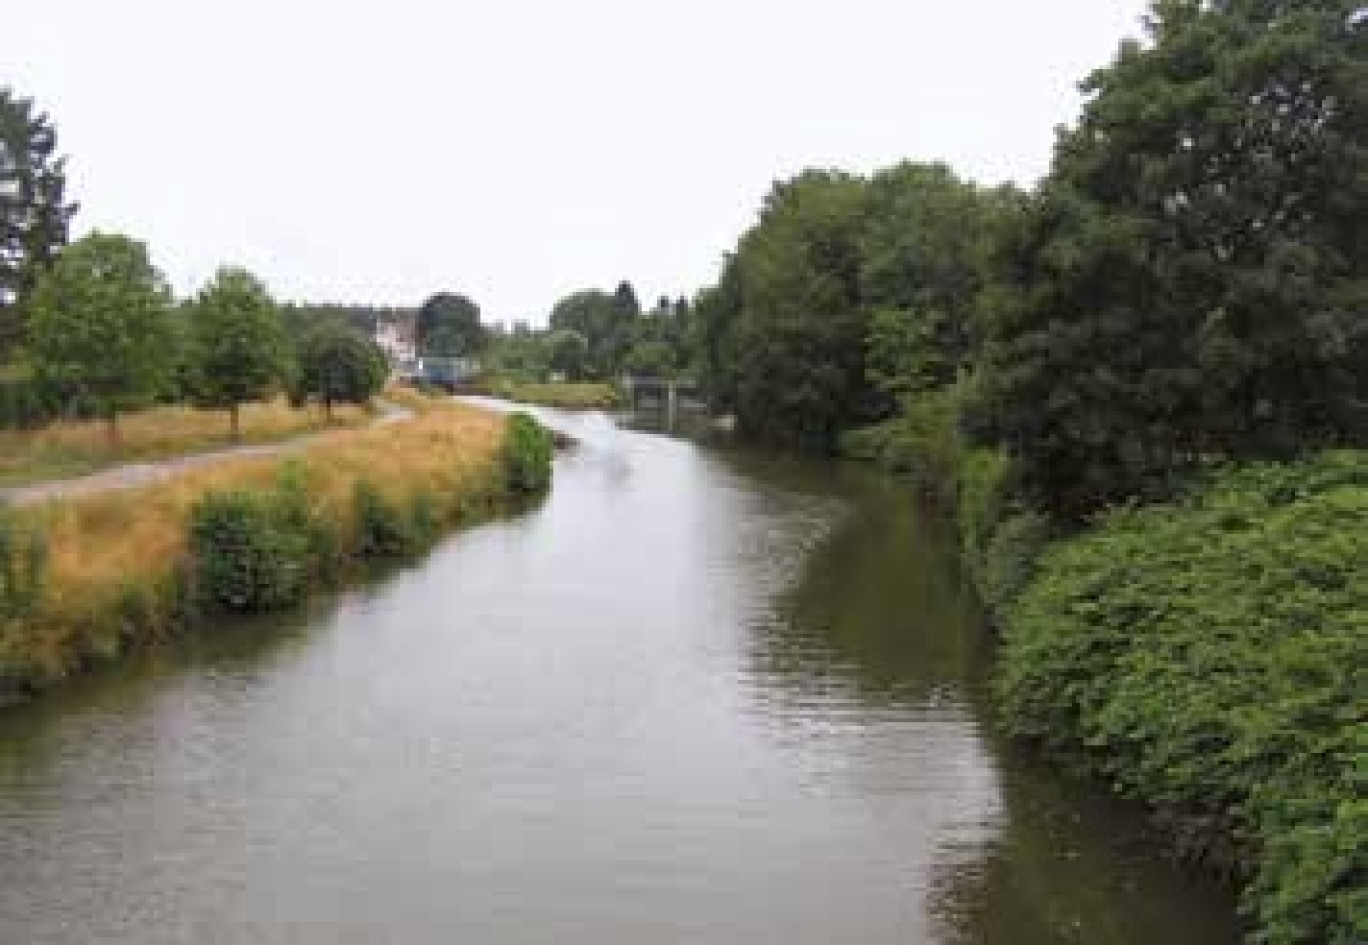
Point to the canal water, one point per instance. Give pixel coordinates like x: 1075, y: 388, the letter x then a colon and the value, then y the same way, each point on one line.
x: 696, y: 696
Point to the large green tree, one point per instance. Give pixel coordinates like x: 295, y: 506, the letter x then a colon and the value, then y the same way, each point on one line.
x: 923, y: 249
x: 34, y: 211
x: 449, y: 326
x: 338, y: 364
x: 1192, y: 280
x: 98, y: 325
x: 240, y: 349
x: 799, y: 331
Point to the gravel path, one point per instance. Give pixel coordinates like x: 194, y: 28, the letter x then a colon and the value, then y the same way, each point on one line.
x: 140, y: 474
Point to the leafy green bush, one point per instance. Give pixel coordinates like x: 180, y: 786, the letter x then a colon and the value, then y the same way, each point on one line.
x: 923, y: 443
x: 297, y: 511
x: 1211, y: 658
x: 528, y: 450
x: 382, y: 529
x: 247, y: 556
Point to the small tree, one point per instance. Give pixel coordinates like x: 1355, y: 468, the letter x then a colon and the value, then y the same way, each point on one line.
x: 340, y: 365
x: 239, y: 343
x: 98, y: 325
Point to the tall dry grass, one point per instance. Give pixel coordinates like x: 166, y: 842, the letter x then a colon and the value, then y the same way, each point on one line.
x: 75, y: 448
x: 115, y: 557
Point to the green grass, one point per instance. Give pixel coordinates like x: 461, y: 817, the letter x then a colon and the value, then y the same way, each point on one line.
x: 566, y: 396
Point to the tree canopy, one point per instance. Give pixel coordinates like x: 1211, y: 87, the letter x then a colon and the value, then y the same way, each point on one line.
x: 240, y: 351
x: 98, y: 326
x: 448, y: 325
x: 34, y: 211
x: 1191, y: 280
x: 338, y: 364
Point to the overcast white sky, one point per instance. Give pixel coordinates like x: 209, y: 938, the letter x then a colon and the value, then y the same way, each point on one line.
x: 516, y: 150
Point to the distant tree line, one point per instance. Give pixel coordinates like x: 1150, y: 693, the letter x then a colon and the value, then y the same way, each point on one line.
x: 598, y: 335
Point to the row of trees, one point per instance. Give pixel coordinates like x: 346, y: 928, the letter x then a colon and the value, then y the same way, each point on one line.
x: 1189, y: 283
x: 599, y: 335
x: 103, y: 330
x: 92, y: 327
x: 848, y: 295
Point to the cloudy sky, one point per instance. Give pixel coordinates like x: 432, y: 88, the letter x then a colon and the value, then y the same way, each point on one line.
x: 516, y: 150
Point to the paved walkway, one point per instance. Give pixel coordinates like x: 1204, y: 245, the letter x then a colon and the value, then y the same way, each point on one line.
x: 140, y: 474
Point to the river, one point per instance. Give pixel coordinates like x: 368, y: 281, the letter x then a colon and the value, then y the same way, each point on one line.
x: 698, y: 695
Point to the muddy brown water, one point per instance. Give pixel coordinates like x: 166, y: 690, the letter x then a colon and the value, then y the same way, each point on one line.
x: 696, y: 696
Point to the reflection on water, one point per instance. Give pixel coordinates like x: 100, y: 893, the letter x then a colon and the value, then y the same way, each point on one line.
x: 697, y: 696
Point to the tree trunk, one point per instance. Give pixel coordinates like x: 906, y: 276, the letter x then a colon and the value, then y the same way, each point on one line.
x: 327, y: 408
x: 234, y: 422
x: 112, y: 427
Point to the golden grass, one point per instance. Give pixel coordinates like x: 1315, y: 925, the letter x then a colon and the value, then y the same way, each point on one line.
x: 106, y: 545
x: 73, y: 449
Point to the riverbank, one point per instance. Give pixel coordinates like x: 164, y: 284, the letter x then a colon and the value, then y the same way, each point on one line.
x: 561, y: 395
x: 67, y: 450
x: 84, y: 579
x: 1204, y: 657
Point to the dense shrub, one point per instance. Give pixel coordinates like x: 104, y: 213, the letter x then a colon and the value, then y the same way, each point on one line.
x: 382, y: 528
x: 248, y: 557
x: 1211, y: 658
x: 527, y: 454
x: 299, y: 511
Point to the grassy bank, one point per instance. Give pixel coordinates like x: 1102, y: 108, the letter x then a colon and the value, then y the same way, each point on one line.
x: 82, y: 580
x: 66, y: 450
x: 1207, y: 657
x: 566, y: 396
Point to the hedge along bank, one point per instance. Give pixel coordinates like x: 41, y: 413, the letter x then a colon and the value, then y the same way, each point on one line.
x: 1207, y: 657
x: 83, y: 580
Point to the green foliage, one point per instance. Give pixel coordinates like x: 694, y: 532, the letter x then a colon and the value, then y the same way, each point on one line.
x: 28, y: 402
x: 248, y: 556
x: 23, y: 565
x: 582, y: 395
x: 527, y: 455
x: 297, y: 510
x: 604, y: 322
x: 448, y: 325
x: 240, y: 351
x: 1209, y: 657
x: 339, y: 365
x: 98, y: 325
x: 568, y: 353
x: 848, y: 296
x: 924, y: 252
x: 34, y: 212
x: 383, y: 531
x: 799, y: 335
x: 520, y: 354
x: 425, y: 519
x: 1190, y: 282
x: 650, y: 358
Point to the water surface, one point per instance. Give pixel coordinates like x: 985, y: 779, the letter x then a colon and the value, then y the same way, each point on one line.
x: 696, y: 696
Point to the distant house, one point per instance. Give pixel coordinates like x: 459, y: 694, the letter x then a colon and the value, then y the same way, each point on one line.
x: 396, y: 340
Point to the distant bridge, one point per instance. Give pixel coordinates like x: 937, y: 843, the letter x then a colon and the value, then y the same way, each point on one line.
x: 663, y: 395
